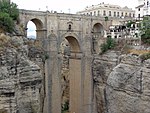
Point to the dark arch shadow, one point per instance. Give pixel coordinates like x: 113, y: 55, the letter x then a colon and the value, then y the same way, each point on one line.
x: 38, y: 23
x: 98, y: 28
x: 74, y: 44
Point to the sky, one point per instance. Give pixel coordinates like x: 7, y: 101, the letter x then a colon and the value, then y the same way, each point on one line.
x: 66, y: 6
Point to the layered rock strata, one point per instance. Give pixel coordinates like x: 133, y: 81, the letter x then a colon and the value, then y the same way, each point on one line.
x: 121, y: 84
x: 20, y: 78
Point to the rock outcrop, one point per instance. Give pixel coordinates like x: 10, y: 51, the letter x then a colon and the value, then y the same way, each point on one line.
x: 102, y: 67
x: 121, y: 84
x: 20, y: 78
x: 127, y: 89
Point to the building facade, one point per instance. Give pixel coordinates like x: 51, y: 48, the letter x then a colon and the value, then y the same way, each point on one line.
x: 142, y: 9
x: 108, y: 10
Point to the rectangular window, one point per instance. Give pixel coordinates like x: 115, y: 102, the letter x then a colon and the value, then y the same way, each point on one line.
x: 122, y: 14
x: 129, y: 14
x: 91, y: 13
x: 109, y: 13
x: 94, y: 13
x: 139, y: 9
x: 118, y: 14
x: 114, y: 14
x: 98, y: 13
x: 104, y: 13
x: 138, y: 15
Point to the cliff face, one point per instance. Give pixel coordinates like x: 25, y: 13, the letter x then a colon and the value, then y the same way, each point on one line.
x: 122, y: 87
x: 102, y: 67
x: 121, y: 82
x: 20, y: 78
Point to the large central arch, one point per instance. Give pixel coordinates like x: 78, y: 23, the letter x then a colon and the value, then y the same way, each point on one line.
x: 74, y: 89
x: 74, y: 44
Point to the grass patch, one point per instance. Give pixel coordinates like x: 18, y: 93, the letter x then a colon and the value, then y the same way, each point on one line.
x: 145, y: 56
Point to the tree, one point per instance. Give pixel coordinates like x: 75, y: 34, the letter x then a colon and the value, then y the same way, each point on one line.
x: 8, y: 14
x: 110, y: 43
x: 145, y: 28
x: 106, y: 18
x: 6, y: 22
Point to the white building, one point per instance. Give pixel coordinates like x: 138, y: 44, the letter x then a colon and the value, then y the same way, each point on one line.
x: 142, y: 9
x: 108, y: 10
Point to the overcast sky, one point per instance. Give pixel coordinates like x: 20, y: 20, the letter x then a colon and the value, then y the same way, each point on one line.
x: 66, y: 6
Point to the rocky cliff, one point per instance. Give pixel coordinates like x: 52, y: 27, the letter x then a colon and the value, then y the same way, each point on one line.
x: 20, y: 78
x: 121, y: 84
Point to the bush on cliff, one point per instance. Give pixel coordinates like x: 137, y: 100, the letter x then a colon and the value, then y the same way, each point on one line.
x: 145, y: 56
x: 8, y: 14
x: 145, y: 28
x: 110, y: 43
x: 6, y: 22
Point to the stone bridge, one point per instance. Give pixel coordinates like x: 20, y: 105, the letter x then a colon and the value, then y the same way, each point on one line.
x: 84, y: 35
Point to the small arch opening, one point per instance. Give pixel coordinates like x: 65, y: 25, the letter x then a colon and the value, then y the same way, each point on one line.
x: 31, y: 30
x: 34, y: 28
x: 97, y: 35
x: 98, y: 28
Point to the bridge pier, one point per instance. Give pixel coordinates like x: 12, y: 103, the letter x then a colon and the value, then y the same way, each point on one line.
x: 75, y: 86
x: 81, y: 83
x: 87, y: 85
x: 52, y: 78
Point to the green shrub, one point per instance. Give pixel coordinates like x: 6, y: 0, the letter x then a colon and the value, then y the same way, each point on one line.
x: 110, y: 43
x: 146, y: 36
x: 6, y: 22
x: 145, y: 56
x: 129, y: 24
x: 104, y: 47
x: 8, y: 13
x: 145, y: 30
x: 65, y: 107
x: 106, y: 18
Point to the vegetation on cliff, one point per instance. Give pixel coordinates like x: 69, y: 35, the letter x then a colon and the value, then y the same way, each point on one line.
x: 8, y: 14
x: 145, y: 27
x: 109, y: 44
x: 145, y: 56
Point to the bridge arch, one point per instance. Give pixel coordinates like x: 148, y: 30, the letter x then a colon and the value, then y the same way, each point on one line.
x: 73, y: 80
x: 39, y: 27
x: 73, y: 41
x: 98, y: 28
